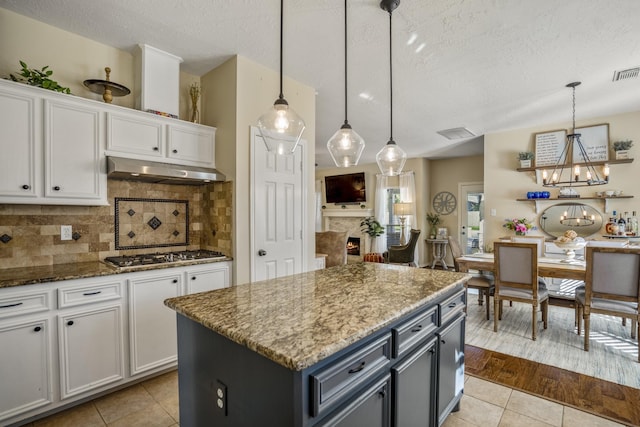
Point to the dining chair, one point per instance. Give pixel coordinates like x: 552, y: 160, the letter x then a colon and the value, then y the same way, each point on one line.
x: 334, y: 244
x: 483, y: 284
x: 612, y: 287
x: 540, y: 240
x: 403, y: 254
x: 516, y: 279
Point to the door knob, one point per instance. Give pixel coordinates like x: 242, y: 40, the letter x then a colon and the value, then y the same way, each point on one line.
x: 262, y: 252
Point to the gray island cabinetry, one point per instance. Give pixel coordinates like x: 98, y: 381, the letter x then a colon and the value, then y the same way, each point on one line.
x: 357, y: 345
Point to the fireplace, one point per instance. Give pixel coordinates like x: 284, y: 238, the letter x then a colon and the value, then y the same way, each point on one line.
x: 353, y: 246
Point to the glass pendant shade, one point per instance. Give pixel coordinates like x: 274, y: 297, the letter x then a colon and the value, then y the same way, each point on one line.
x: 391, y: 159
x: 281, y: 128
x: 345, y: 146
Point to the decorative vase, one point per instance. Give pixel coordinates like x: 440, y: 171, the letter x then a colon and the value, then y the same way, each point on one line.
x: 525, y: 163
x: 195, y: 114
x: 520, y: 233
x: 622, y: 154
x: 194, y: 94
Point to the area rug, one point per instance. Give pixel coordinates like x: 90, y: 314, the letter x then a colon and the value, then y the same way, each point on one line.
x: 612, y: 354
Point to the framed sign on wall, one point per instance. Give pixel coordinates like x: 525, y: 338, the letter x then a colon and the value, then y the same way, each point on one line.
x: 595, y: 141
x: 549, y: 147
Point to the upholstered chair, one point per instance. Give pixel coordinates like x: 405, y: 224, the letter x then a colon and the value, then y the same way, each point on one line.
x: 530, y: 239
x: 612, y: 287
x: 483, y: 284
x: 516, y: 279
x: 403, y: 254
x: 334, y: 245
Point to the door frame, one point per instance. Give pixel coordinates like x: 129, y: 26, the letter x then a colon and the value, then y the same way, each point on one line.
x: 463, y: 189
x: 304, y: 220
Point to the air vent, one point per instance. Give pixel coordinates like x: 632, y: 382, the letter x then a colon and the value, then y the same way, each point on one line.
x: 630, y: 73
x: 457, y: 133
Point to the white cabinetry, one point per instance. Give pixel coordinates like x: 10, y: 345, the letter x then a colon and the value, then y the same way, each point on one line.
x: 90, y: 335
x: 25, y: 352
x: 144, y: 136
x: 52, y: 147
x: 207, y: 277
x: 152, y: 325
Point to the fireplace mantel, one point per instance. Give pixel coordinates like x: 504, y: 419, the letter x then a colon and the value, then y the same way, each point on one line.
x: 353, y: 213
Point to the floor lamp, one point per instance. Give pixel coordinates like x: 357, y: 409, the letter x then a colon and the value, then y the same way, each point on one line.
x: 401, y: 210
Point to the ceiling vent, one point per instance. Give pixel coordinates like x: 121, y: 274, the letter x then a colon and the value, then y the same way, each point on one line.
x: 457, y: 133
x: 631, y: 73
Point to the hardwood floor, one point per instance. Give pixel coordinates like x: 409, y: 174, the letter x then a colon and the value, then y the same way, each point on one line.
x: 606, y: 399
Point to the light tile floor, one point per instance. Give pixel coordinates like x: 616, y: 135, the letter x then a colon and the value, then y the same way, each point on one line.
x: 154, y: 403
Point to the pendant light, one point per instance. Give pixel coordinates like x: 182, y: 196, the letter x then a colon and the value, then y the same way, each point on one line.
x: 565, y: 162
x: 391, y: 158
x: 281, y: 127
x: 345, y: 146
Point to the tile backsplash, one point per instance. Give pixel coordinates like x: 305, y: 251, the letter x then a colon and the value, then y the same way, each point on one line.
x: 35, y: 229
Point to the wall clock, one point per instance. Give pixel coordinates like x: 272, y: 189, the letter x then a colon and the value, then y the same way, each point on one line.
x: 444, y: 203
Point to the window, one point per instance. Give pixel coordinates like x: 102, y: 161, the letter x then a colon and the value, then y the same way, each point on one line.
x: 393, y: 224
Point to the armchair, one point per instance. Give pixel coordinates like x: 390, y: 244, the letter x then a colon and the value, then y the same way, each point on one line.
x: 403, y: 254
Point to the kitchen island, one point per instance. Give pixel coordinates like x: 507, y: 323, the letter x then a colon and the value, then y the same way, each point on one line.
x: 359, y: 344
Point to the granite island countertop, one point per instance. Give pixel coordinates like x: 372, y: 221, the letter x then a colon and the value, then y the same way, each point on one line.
x: 299, y: 320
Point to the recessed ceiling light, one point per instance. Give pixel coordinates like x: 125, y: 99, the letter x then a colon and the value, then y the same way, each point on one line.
x: 412, y: 39
x: 457, y: 133
x: 419, y: 48
x: 366, y: 96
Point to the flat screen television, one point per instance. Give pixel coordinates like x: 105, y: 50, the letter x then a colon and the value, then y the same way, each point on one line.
x: 348, y: 188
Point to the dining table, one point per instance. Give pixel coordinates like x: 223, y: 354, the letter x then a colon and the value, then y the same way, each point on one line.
x: 551, y: 266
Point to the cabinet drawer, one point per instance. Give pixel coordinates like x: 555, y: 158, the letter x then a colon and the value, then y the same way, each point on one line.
x: 414, y: 330
x: 91, y: 293
x: 16, y: 305
x: 453, y: 305
x: 332, y: 383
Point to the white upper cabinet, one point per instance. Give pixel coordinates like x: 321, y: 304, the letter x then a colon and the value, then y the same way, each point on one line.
x: 145, y: 136
x: 20, y: 121
x: 52, y: 148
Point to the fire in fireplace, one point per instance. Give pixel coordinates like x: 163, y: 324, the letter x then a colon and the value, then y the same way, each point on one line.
x: 353, y: 246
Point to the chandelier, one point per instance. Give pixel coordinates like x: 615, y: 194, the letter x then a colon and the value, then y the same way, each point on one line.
x: 573, y: 176
x: 576, y: 216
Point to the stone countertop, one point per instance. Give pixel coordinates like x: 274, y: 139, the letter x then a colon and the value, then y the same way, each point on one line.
x: 299, y: 320
x: 21, y: 276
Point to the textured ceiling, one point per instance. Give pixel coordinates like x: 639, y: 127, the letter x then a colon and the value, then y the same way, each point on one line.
x: 488, y: 65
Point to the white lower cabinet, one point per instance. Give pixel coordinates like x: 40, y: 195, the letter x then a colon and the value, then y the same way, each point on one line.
x: 152, y: 325
x: 208, y: 277
x: 25, y: 368
x: 91, y: 349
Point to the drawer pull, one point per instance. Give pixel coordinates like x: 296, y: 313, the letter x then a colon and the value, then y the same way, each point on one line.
x: 417, y: 328
x: 26, y: 187
x: 453, y: 304
x: 156, y: 149
x: 70, y: 323
x: 87, y: 294
x: 194, y: 278
x: 37, y: 329
x: 11, y: 305
x: 382, y: 393
x: 56, y: 188
x: 175, y: 281
x: 175, y: 151
x: 358, y: 369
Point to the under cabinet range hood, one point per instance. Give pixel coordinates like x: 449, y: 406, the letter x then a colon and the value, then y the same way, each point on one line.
x: 160, y: 173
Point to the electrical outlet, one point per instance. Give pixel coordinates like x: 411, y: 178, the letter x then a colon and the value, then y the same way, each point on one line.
x: 221, y: 396
x: 65, y: 232
x: 493, y: 212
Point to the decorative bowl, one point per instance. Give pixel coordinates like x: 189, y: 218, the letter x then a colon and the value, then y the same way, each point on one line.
x: 570, y: 247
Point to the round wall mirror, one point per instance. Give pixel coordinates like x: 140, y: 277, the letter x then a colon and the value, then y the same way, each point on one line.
x: 583, y: 219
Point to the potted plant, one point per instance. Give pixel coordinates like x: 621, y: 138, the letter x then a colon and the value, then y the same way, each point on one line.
x: 434, y: 220
x: 371, y: 227
x: 525, y: 158
x: 622, y: 148
x: 40, y: 78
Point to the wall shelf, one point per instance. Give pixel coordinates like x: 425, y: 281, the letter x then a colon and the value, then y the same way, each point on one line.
x: 574, y: 199
x: 600, y: 163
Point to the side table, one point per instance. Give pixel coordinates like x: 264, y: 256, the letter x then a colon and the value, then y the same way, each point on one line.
x: 439, y: 251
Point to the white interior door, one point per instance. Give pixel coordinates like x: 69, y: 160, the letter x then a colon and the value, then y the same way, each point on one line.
x: 276, y: 211
x: 471, y: 227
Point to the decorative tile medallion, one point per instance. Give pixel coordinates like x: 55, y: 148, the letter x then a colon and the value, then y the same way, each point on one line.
x: 76, y: 235
x: 156, y: 223
x: 5, y: 238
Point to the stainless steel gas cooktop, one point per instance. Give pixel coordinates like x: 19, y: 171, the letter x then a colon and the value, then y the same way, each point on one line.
x: 164, y: 258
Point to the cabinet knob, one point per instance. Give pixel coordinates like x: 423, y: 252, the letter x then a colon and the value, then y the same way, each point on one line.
x: 56, y: 188
x: 26, y: 187
x: 155, y: 149
x: 175, y: 151
x: 194, y: 278
x: 37, y: 329
x: 175, y: 280
x: 382, y: 393
x: 70, y: 323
